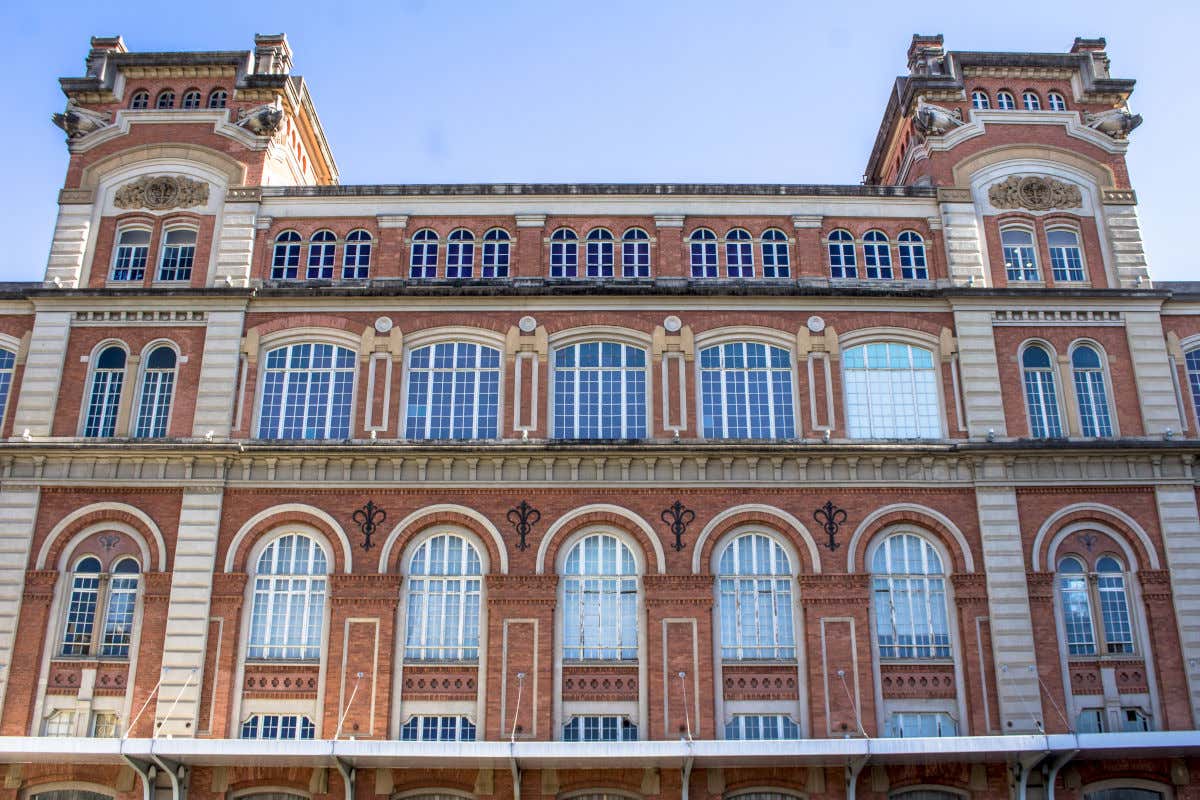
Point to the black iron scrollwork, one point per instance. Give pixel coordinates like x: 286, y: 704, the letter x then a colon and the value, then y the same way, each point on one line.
x: 678, y: 517
x: 830, y: 518
x: 523, y: 517
x: 369, y: 518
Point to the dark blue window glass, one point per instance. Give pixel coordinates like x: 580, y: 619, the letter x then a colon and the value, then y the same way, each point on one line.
x: 460, y: 254
x: 635, y: 254
x: 308, y: 390
x: 424, y: 256
x: 746, y: 391
x: 285, y: 261
x: 564, y: 254
x: 841, y: 255
x: 703, y: 246
x: 453, y: 391
x: 600, y: 254
x: 599, y: 391
x: 775, y: 254
x: 496, y: 246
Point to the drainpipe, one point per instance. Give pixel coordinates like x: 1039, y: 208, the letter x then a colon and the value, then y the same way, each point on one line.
x: 1058, y: 764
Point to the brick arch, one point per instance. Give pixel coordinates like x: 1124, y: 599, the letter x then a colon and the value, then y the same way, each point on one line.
x: 621, y: 519
x: 772, y: 520
x: 927, y: 520
x: 271, y: 520
x: 288, y: 321
x: 269, y: 779
x: 63, y: 534
x: 456, y: 782
x: 767, y: 781
x: 1135, y: 538
x: 421, y: 520
x: 581, y: 783
x: 1072, y: 545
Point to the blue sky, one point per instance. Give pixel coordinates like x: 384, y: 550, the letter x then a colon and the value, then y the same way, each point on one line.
x: 706, y: 91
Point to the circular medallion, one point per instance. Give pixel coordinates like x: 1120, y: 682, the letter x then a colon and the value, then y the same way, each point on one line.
x: 816, y: 324
x: 383, y: 324
x: 527, y: 324
x: 672, y: 323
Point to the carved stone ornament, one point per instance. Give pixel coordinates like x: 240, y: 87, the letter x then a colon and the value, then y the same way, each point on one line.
x: 161, y: 192
x: 1034, y: 193
x: 77, y: 121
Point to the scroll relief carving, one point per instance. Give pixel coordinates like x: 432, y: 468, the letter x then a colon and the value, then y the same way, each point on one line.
x: 1034, y: 193
x: 161, y: 192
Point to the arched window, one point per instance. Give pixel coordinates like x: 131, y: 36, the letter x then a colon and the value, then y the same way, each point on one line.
x: 908, y: 589
x: 356, y: 257
x: 1088, y: 373
x: 443, y: 585
x: 754, y: 583
x: 1056, y: 101
x: 921, y: 724
x: 1191, y: 360
x: 111, y: 597
x: 762, y: 727
x: 140, y: 100
x: 453, y: 391
x: 166, y: 99
x: 775, y: 254
x: 8, y: 363
x: 746, y: 391
x: 191, y: 100
x: 278, y: 726
x: 600, y: 728
x: 1066, y: 259
x: 422, y: 260
x: 927, y: 794
x: 285, y: 261
x: 979, y: 99
x: 307, y: 392
x: 460, y: 254
x: 841, y: 255
x: 892, y: 392
x: 635, y: 254
x: 179, y: 251
x: 70, y: 794
x: 877, y: 255
x: 912, y: 257
x: 1124, y: 793
x: 1086, y: 596
x: 1020, y: 258
x: 496, y: 252
x: 703, y: 246
x: 321, y: 249
x: 600, y: 253
x: 428, y: 728
x: 564, y: 254
x: 218, y: 98
x: 739, y: 254
x: 1005, y: 100
x: 600, y: 614
x: 154, y: 401
x: 288, y: 610
x: 599, y: 391
x: 1031, y: 101
x: 133, y: 248
x: 1041, y: 396
x: 104, y: 399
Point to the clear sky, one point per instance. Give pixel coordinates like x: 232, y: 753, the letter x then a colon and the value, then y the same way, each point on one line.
x: 417, y: 91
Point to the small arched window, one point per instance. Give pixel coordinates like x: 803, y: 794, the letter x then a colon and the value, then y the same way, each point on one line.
x: 599, y: 391
x: 111, y: 597
x: 1087, y: 596
x: 912, y: 256
x: 739, y: 254
x: 1056, y: 101
x: 703, y: 246
x: 600, y: 588
x: 1020, y: 258
x: 166, y: 99
x: 443, y: 584
x: 453, y: 391
x: 1088, y: 373
x: 422, y: 260
x: 178, y: 253
x: 776, y: 263
x: 321, y: 252
x: 635, y: 254
x: 979, y: 99
x: 564, y: 254
x: 877, y: 255
x: 460, y: 254
x: 1041, y: 396
x: 8, y: 363
x: 154, y: 400
x: 754, y: 584
x: 356, y: 256
x: 1066, y: 258
x: 133, y: 249
x: 278, y: 726
x: 288, y: 610
x: 1005, y: 100
x: 497, y: 245
x: 601, y: 253
x: 908, y: 592
x: 307, y: 392
x: 218, y: 98
x: 140, y: 100
x: 746, y: 391
x: 104, y: 399
x: 842, y: 263
x: 191, y: 100
x: 285, y: 261
x: 1031, y: 101
x: 892, y: 392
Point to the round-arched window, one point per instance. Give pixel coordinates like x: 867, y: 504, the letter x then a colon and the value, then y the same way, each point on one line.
x: 908, y: 595
x: 600, y: 603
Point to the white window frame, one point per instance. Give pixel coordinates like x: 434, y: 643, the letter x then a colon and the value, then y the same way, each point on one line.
x: 356, y: 255
x: 108, y: 421
x: 457, y: 643
x: 600, y: 254
x: 608, y: 633
x: 892, y: 583
x: 782, y: 633
x: 133, y: 255
x: 750, y: 338
x: 165, y: 245
x: 311, y: 586
x: 628, y: 413
x: 858, y: 428
x: 635, y: 238
x: 476, y: 404
x: 710, y: 246
x: 739, y: 243
x: 497, y: 249
x: 166, y: 384
x: 1095, y: 395
x: 290, y: 248
x: 1065, y: 254
x: 288, y: 344
x: 460, y: 254
x: 1022, y: 271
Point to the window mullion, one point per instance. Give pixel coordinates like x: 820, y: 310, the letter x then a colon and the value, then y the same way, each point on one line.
x: 100, y: 617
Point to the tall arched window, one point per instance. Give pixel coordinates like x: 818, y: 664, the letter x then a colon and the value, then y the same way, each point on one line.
x: 1088, y: 373
x: 1005, y: 100
x: 443, y: 584
x: 912, y: 257
x: 288, y: 611
x: 1041, y: 396
x: 307, y: 392
x: 979, y: 99
x: 1056, y: 101
x: 600, y: 253
x: 1030, y: 100
x: 841, y: 255
x: 104, y: 399
x: 285, y: 261
x: 754, y: 581
x: 460, y: 254
x: 356, y: 257
x: 739, y: 254
x: 140, y: 100
x: 908, y: 592
x: 191, y: 100
x: 599, y: 391
x: 702, y: 245
x: 133, y: 249
x: 423, y: 257
x: 1020, y: 257
x: 877, y: 255
x: 8, y: 363
x: 178, y: 253
x: 321, y: 249
x: 775, y: 254
x: 166, y: 99
x: 635, y: 254
x: 496, y: 247
x: 892, y: 392
x: 453, y: 391
x: 1191, y: 360
x: 1066, y: 257
x: 600, y: 588
x: 217, y: 98
x: 154, y: 400
x: 564, y: 254
x: 107, y: 596
x: 746, y: 391
x: 1086, y: 596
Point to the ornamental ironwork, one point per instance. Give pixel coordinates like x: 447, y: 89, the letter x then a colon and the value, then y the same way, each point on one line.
x: 678, y: 517
x: 1034, y: 193
x: 368, y: 519
x: 523, y: 517
x: 162, y: 192
x: 830, y: 518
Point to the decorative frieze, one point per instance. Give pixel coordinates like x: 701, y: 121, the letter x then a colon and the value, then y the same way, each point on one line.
x: 162, y: 192
x: 1056, y: 316
x: 1035, y: 193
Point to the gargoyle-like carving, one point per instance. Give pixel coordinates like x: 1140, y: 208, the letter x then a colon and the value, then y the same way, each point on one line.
x: 77, y: 121
x: 1116, y: 122
x: 261, y: 120
x: 1034, y: 193
x: 160, y: 192
x: 931, y: 120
